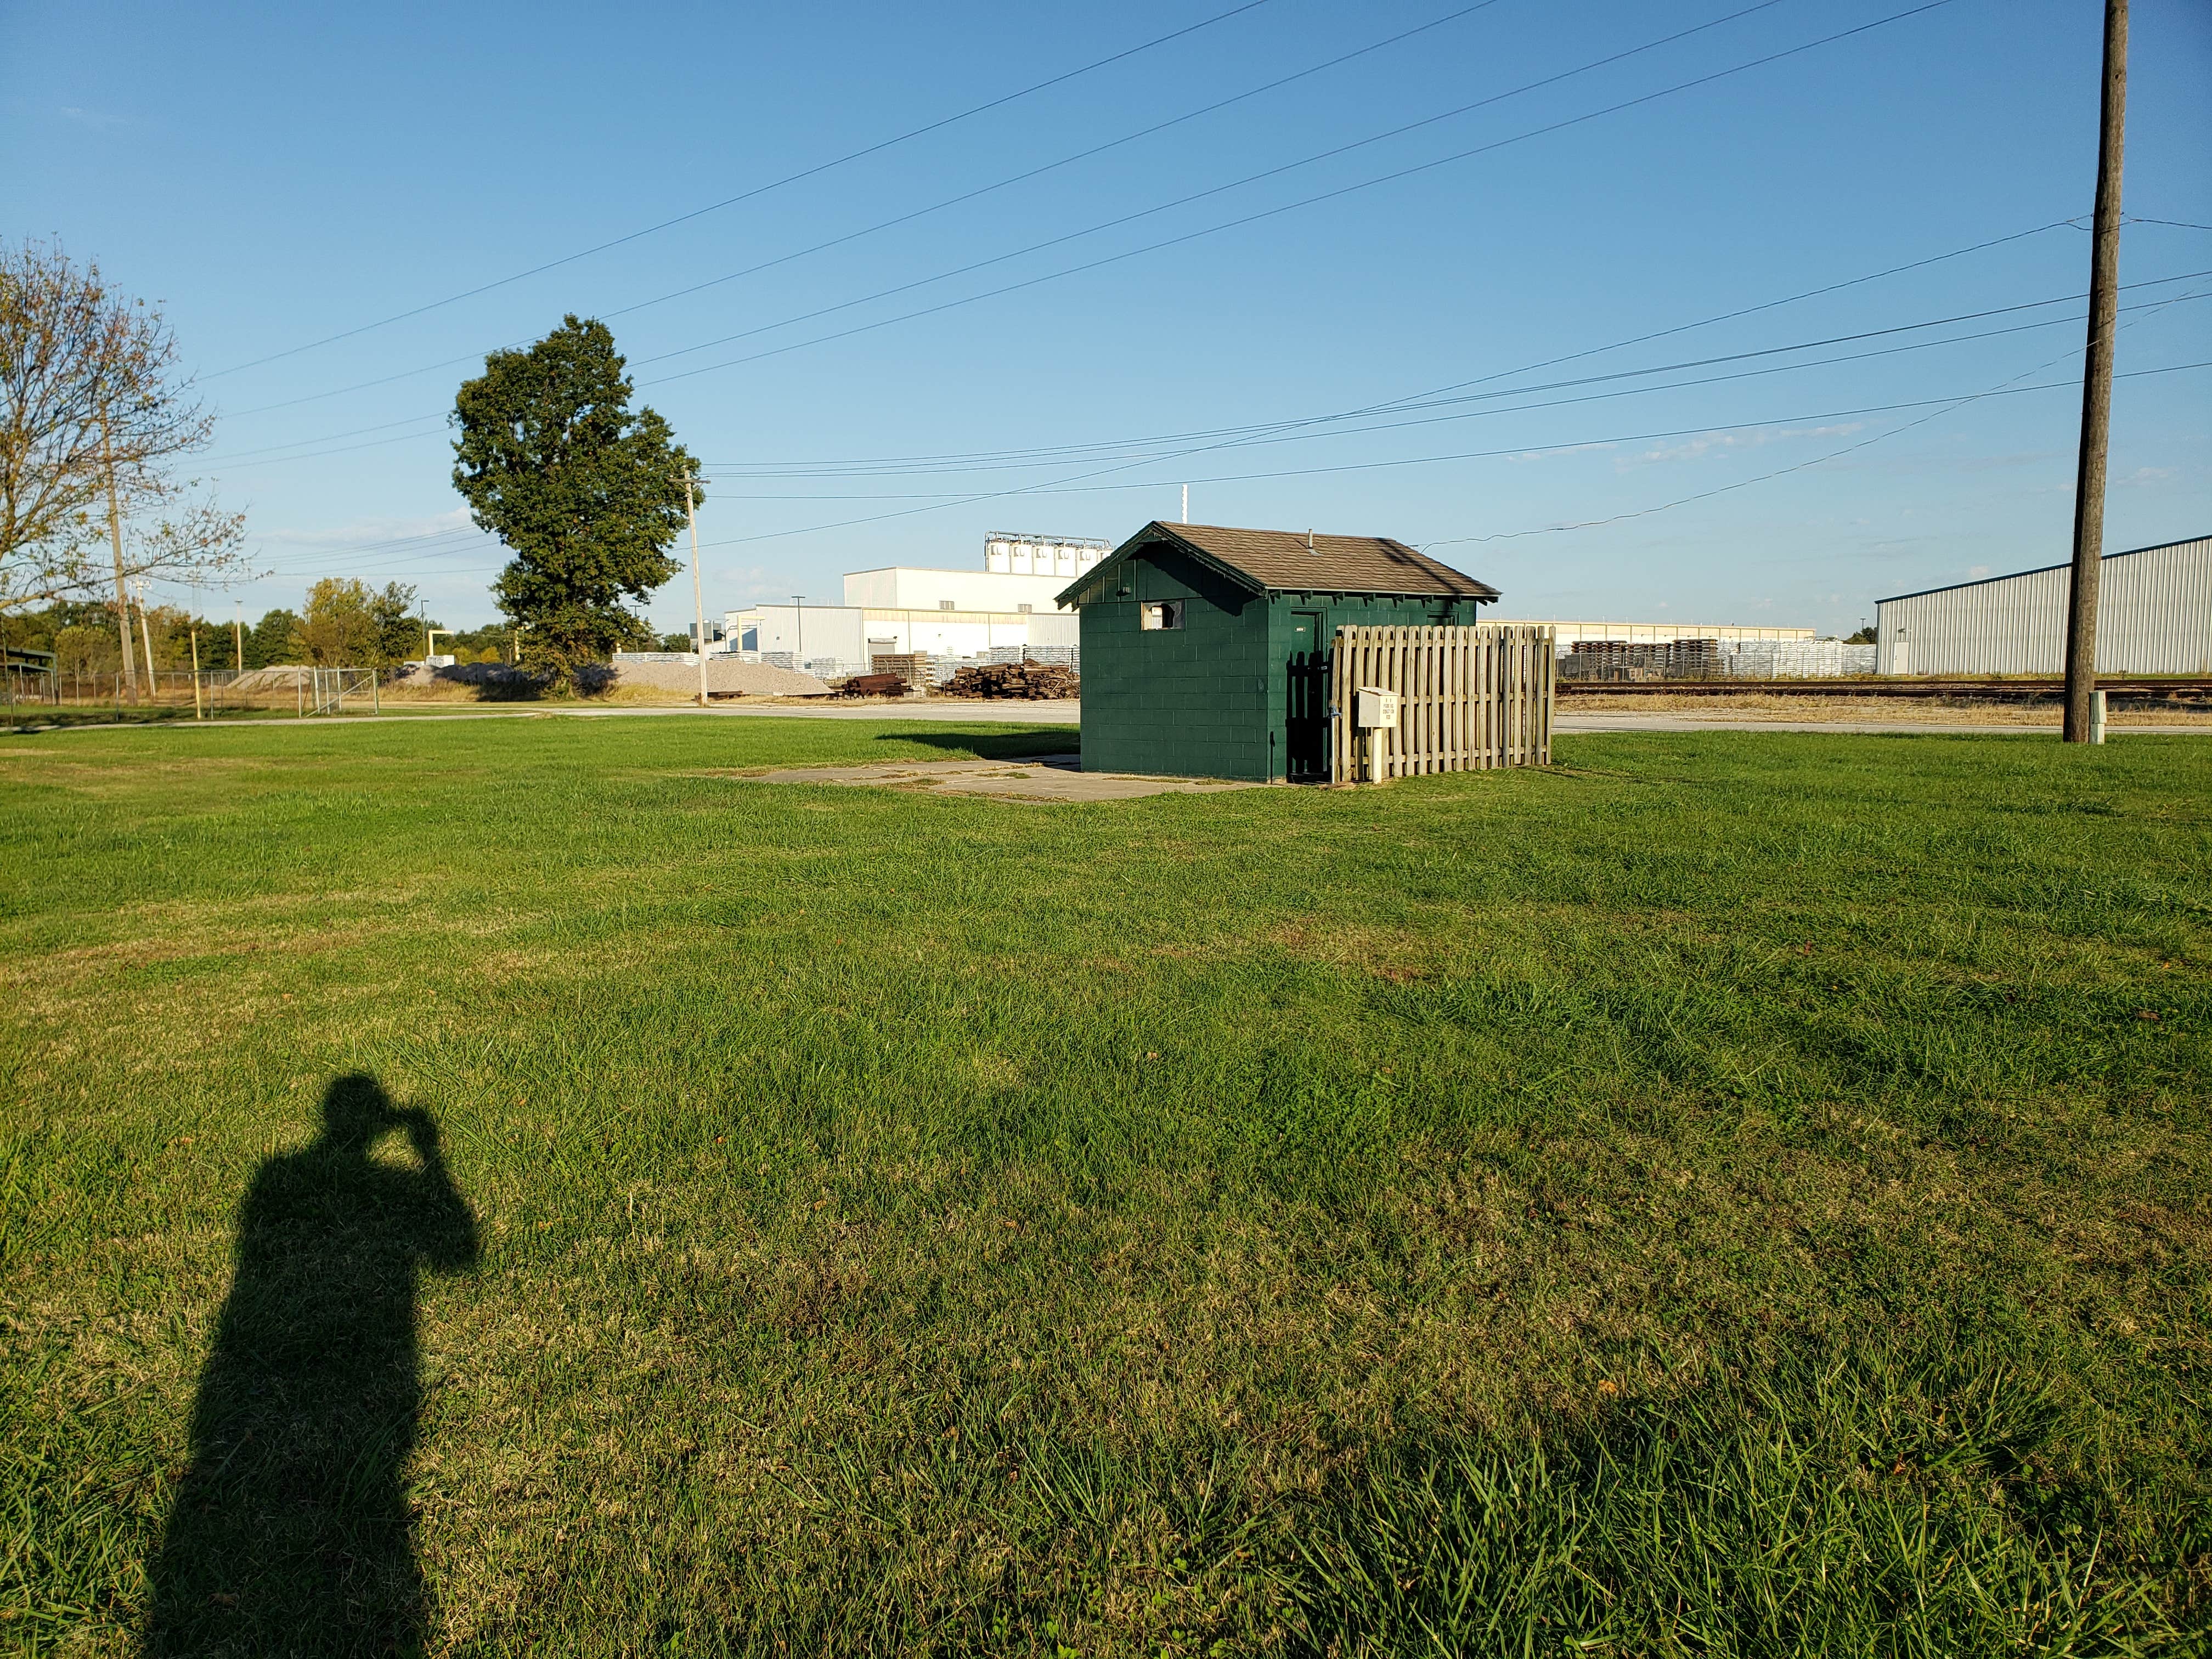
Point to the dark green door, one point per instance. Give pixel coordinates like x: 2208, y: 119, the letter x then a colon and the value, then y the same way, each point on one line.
x: 1305, y: 734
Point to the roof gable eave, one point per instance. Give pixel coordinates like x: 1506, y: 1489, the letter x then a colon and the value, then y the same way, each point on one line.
x: 1151, y: 536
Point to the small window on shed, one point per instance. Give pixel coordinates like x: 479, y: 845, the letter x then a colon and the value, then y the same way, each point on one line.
x: 1160, y: 613
x: 945, y: 604
x: 1024, y: 609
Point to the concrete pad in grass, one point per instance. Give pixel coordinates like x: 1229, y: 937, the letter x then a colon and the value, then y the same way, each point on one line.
x: 1039, y: 778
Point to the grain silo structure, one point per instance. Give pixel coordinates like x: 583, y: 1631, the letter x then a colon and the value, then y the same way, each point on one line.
x: 2154, y: 617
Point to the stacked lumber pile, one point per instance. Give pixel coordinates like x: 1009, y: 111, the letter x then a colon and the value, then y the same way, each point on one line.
x: 912, y: 666
x: 1013, y: 679
x: 873, y: 685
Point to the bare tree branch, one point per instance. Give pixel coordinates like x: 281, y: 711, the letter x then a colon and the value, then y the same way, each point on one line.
x: 91, y: 399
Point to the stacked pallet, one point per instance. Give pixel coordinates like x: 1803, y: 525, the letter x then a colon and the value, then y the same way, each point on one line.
x: 1032, y: 680
x: 873, y: 685
x: 911, y: 666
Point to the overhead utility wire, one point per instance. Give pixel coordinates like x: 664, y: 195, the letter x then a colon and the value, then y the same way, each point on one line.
x: 796, y: 468
x: 1941, y: 404
x: 799, y: 468
x: 2001, y: 389
x: 444, y: 545
x: 905, y: 218
x: 1288, y: 432
x: 758, y: 190
x: 1273, y: 172
x: 1075, y: 486
x: 1518, y: 409
x: 1269, y: 213
x: 1172, y: 241
x: 1411, y: 401
x: 1057, y: 486
x: 944, y: 275
x: 1063, y: 487
x: 1052, y: 167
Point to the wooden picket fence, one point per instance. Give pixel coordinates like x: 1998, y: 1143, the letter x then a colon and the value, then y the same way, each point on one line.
x: 1470, y: 698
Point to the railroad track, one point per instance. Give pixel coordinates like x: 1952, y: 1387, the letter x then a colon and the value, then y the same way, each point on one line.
x: 2183, y: 689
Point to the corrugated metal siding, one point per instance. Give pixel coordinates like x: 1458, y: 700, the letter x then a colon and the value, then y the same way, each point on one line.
x: 2154, y: 617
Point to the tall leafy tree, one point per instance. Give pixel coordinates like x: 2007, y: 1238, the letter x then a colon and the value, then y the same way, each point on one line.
x: 335, y: 631
x: 398, y: 626
x: 586, y: 494
x: 268, y: 642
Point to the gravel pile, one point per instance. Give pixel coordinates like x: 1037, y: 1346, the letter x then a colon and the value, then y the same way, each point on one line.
x: 752, y: 679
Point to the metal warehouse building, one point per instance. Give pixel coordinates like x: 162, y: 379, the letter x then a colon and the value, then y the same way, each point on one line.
x: 2154, y: 617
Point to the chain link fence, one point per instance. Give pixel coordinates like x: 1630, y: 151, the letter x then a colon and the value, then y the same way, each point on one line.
x: 301, y: 690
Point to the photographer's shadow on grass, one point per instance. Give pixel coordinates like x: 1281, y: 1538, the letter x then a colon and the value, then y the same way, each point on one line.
x: 291, y: 1532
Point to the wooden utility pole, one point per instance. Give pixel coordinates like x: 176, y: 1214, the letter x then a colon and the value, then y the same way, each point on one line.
x: 2097, y: 388
x: 237, y: 633
x: 197, y: 712
x: 115, y: 540
x: 146, y: 634
x: 698, y: 592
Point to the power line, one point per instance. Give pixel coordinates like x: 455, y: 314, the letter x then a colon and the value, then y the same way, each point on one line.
x: 2001, y: 389
x: 758, y: 190
x: 1064, y: 486
x: 1284, y: 432
x: 1941, y: 405
x: 903, y: 218
x: 1262, y: 432
x: 1248, y: 219
x: 1051, y: 166
x: 828, y: 468
x: 1110, y: 224
x: 1672, y: 386
x: 1592, y: 351
x: 1930, y: 5
x: 1235, y: 183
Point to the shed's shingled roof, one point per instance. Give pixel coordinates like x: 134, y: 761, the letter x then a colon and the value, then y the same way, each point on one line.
x: 1279, y: 559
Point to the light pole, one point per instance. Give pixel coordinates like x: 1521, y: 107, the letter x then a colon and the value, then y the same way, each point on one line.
x: 799, y: 656
x: 698, y: 594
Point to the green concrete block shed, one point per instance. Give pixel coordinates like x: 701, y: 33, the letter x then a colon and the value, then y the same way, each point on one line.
x: 1206, y: 649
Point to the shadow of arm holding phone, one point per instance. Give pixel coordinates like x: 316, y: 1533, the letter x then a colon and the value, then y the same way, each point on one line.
x: 292, y: 1530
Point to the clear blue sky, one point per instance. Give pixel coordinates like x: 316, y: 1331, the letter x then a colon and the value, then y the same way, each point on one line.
x: 274, y: 174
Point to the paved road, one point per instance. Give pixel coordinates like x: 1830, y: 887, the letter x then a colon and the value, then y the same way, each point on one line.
x: 1721, y: 721
x: 942, y: 711
x: 997, y: 714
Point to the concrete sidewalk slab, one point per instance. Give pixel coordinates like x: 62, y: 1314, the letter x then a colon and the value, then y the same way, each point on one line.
x: 1041, y: 778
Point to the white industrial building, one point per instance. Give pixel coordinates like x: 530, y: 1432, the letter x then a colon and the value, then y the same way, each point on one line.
x: 2154, y: 617
x: 1010, y: 608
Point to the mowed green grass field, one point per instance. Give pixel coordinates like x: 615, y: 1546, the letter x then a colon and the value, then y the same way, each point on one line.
x: 513, y: 1186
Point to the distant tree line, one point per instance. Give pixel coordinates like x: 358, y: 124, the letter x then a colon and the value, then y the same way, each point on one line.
x: 342, y: 623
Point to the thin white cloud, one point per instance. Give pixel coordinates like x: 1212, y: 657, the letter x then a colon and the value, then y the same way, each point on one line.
x: 360, y: 531
x: 1555, y: 455
x: 98, y: 119
x: 732, y: 590
x: 1726, y: 443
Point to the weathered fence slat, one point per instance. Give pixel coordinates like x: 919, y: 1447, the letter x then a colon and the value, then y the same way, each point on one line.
x: 1469, y: 699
